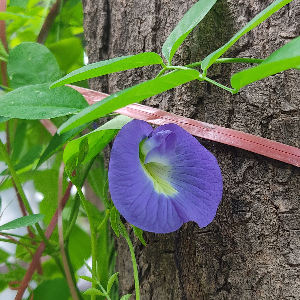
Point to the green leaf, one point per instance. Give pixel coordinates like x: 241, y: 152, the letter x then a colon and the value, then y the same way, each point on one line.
x: 130, y: 95
x: 126, y: 297
x: 39, y: 102
x: 58, y: 141
x: 22, y: 252
x: 52, y: 289
x: 12, y: 16
x: 31, y: 63
x: 89, y: 279
x: 111, y: 281
x: 13, y: 275
x: 22, y: 222
x: 103, y: 251
x: 3, y: 119
x: 3, y: 256
x: 114, y: 220
x: 29, y: 158
x: 68, y: 53
x: 97, y: 178
x: 83, y: 149
x: 97, y: 139
x: 110, y: 66
x: 19, y: 140
x: 285, y: 58
x: 19, y: 3
x: 46, y: 182
x: 276, y: 5
x: 93, y: 291
x: 193, y: 16
x: 79, y: 247
x: 139, y: 233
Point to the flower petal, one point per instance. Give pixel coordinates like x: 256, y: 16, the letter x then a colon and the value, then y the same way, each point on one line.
x: 178, y: 181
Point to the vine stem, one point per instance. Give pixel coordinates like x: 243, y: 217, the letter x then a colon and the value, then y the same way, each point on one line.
x: 93, y: 237
x: 124, y: 232
x: 229, y: 60
x: 161, y: 72
x: 61, y: 235
x: 13, y: 241
x: 48, y: 22
x: 21, y: 236
x: 107, y: 213
x: 233, y: 91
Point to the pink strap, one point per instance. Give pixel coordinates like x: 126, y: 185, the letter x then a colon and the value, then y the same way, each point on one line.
x: 246, y: 141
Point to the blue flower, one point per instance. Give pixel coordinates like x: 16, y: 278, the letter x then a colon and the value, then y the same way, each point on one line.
x: 162, y: 178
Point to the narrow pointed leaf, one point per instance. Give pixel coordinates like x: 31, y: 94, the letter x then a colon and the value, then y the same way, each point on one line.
x: 39, y: 102
x: 56, y: 288
x: 89, y: 279
x: 126, y: 297
x: 12, y: 16
x: 111, y: 281
x: 276, y: 5
x: 31, y: 63
x: 110, y: 66
x: 29, y: 158
x: 193, y: 16
x: 130, y: 95
x: 22, y: 222
x: 58, y: 141
x: 97, y: 139
x: 285, y: 58
x: 93, y: 291
x: 139, y: 233
x: 114, y: 220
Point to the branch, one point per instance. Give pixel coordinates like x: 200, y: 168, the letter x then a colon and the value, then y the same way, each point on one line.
x: 49, y: 126
x: 48, y: 22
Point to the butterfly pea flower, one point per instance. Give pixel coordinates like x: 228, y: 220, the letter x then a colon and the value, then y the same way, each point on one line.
x: 162, y: 178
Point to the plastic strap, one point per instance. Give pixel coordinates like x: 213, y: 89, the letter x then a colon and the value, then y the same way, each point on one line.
x: 239, y: 139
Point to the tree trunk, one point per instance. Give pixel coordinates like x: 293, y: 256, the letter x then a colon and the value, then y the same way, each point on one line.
x: 252, y: 248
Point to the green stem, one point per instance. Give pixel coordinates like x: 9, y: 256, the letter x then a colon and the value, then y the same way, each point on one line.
x: 239, y: 60
x: 229, y: 60
x: 3, y: 58
x: 98, y: 282
x: 93, y: 237
x: 73, y: 217
x: 6, y: 88
x: 233, y: 91
x: 75, y: 208
x: 104, y: 220
x: 18, y: 243
x: 3, y: 51
x: 59, y: 20
x: 161, y: 72
x: 134, y: 264
x: 177, y: 68
x: 22, y: 237
x: 103, y: 291
x: 72, y: 270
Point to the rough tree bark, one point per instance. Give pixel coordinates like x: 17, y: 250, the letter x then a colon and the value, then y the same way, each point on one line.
x: 252, y: 248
